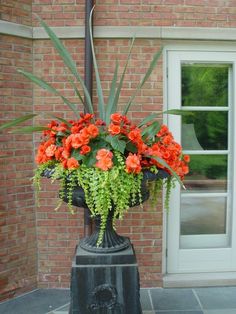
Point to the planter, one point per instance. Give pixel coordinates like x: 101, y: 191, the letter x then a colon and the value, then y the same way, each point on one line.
x: 112, y: 242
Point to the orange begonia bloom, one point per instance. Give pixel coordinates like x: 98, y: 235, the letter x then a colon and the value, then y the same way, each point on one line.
x: 93, y: 130
x: 114, y: 129
x: 72, y: 163
x: 116, y: 118
x: 104, y: 163
x: 85, y: 150
x: 103, y: 153
x: 50, y: 151
x: 133, y: 164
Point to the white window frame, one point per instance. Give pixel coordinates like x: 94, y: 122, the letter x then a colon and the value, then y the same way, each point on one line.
x: 225, y: 258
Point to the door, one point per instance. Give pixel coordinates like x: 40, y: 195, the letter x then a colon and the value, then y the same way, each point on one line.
x: 201, y: 223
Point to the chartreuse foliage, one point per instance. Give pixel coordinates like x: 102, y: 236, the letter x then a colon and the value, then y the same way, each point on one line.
x: 103, y: 189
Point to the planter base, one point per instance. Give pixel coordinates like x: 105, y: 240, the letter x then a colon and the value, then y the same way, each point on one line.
x: 105, y: 283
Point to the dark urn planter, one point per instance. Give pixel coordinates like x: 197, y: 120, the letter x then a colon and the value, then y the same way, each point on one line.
x: 112, y: 242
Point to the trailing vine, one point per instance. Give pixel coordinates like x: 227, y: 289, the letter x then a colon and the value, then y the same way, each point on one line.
x: 104, y: 190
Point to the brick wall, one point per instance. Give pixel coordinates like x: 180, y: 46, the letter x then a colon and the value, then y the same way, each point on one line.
x: 18, y: 255
x: 199, y: 13
x: 16, y: 11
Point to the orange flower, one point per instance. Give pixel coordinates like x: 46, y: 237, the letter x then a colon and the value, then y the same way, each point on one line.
x: 116, y: 118
x: 65, y: 154
x: 92, y: 130
x: 103, y: 153
x: 58, y: 153
x: 104, y: 157
x: 114, y: 129
x: 72, y: 163
x: 50, y: 151
x: 104, y: 163
x: 79, y: 140
x: 186, y: 158
x: 85, y: 150
x: 135, y: 135
x: 164, y: 129
x: 133, y: 164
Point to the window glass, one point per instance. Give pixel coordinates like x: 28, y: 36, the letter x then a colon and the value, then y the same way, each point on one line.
x: 204, y: 85
x: 203, y: 215
x: 205, y: 130
x: 208, y: 173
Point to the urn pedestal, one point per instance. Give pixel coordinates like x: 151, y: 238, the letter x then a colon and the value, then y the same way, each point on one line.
x: 105, y: 283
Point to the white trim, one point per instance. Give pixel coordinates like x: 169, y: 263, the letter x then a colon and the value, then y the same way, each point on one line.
x: 9, y: 28
x: 177, y: 33
x: 61, y: 32
x: 199, y: 280
x: 155, y: 32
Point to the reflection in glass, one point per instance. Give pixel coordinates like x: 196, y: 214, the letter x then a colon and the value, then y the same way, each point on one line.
x: 203, y: 215
x: 208, y: 173
x: 204, y: 85
x: 208, y: 129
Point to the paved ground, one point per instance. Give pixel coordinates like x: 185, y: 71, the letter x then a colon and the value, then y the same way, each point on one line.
x: 218, y: 300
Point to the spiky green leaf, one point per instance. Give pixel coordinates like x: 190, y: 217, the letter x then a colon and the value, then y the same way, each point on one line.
x: 66, y: 57
x: 164, y: 164
x: 149, y: 118
x: 49, y: 88
x: 151, y: 130
x: 29, y: 129
x: 61, y: 119
x: 101, y: 105
x: 179, y: 112
x: 111, y: 105
x: 118, y: 90
x: 17, y: 121
x: 144, y: 79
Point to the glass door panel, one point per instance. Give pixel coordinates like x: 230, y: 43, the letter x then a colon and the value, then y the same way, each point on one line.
x: 204, y: 135
x: 204, y: 85
x: 208, y: 173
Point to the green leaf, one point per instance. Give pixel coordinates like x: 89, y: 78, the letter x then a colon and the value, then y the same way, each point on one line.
x: 68, y: 61
x: 116, y: 144
x: 177, y: 112
x: 130, y: 147
x: 17, y: 121
x: 117, y: 95
x: 75, y: 153
x: 111, y: 105
x: 149, y: 118
x: 163, y: 163
x: 77, y: 91
x: 29, y: 129
x: 49, y: 88
x: 87, y: 105
x: 151, y: 130
x: 146, y: 76
x: 101, y: 105
x: 90, y: 159
x: 61, y: 119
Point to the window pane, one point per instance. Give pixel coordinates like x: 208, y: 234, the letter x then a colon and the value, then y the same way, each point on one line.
x: 203, y: 215
x: 208, y: 173
x: 205, y: 130
x: 204, y: 85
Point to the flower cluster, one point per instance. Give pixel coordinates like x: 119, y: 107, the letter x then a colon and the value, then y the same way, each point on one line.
x: 93, y: 143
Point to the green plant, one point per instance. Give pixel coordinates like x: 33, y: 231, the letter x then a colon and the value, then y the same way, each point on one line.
x: 105, y: 155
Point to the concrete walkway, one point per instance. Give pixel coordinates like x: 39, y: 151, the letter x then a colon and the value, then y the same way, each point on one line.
x: 212, y: 300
